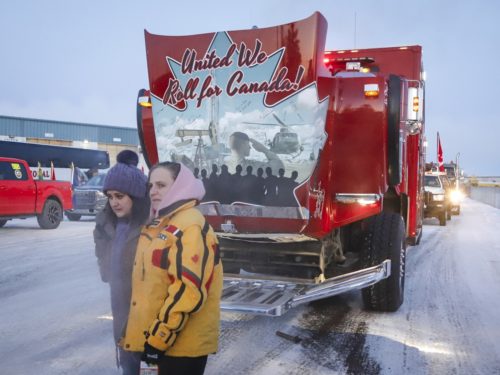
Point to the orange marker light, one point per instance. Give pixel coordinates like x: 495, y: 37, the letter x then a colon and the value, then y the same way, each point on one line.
x: 371, y: 90
x: 144, y: 101
x: 416, y: 104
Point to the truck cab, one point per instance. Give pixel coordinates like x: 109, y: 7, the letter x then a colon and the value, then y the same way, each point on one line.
x: 457, y: 191
x: 88, y: 199
x: 439, y: 201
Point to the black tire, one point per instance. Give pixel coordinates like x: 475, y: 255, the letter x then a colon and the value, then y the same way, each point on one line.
x: 51, y: 215
x: 2, y: 223
x: 384, y: 238
x: 73, y: 217
x: 448, y: 214
x: 458, y: 211
x: 442, y: 218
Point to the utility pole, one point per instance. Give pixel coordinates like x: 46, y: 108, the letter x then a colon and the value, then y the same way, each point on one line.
x: 355, y: 16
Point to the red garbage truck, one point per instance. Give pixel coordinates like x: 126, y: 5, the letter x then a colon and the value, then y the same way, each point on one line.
x: 312, y: 160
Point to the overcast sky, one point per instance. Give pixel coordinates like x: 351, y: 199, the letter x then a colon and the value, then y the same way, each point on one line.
x: 84, y: 61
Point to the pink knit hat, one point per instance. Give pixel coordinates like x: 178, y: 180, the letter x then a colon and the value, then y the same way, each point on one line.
x: 185, y: 187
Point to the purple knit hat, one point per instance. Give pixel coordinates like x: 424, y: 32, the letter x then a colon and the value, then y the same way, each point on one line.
x: 125, y: 177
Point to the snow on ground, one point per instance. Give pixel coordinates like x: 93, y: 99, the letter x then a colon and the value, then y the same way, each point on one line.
x: 449, y: 321
x: 54, y: 316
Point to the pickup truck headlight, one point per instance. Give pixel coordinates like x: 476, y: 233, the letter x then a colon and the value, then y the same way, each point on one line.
x: 438, y: 197
x: 101, y: 200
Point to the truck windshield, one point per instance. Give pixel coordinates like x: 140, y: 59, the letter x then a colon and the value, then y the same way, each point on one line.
x: 431, y: 181
x: 96, y: 180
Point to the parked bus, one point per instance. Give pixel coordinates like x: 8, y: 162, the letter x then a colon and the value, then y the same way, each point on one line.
x: 63, y: 158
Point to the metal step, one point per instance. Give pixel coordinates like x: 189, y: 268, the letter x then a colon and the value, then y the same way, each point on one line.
x: 273, y: 296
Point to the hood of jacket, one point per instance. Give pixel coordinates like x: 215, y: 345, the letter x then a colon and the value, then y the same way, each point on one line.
x: 185, y: 188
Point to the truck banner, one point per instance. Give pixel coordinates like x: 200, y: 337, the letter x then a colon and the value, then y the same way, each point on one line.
x: 241, y: 107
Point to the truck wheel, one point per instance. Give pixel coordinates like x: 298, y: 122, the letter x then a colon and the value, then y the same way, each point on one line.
x: 442, y: 218
x: 73, y: 217
x: 384, y: 238
x: 2, y: 223
x: 448, y: 214
x: 51, y: 215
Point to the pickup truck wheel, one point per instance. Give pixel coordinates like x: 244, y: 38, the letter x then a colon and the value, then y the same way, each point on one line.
x: 384, y: 238
x: 51, y: 215
x: 73, y: 217
x: 442, y: 218
x: 2, y: 223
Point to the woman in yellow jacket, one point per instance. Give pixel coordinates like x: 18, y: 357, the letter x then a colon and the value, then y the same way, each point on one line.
x: 177, y: 278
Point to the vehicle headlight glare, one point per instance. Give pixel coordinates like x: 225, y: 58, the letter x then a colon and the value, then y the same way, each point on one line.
x: 456, y: 196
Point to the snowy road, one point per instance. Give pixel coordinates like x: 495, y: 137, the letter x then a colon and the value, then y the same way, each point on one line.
x: 54, y: 314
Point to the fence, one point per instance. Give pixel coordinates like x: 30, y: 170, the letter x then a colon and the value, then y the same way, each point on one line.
x: 486, y: 194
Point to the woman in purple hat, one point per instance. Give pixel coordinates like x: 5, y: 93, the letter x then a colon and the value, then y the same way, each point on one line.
x: 116, y: 234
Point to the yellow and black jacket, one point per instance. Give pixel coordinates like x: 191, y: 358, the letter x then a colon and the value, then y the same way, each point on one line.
x: 176, y: 285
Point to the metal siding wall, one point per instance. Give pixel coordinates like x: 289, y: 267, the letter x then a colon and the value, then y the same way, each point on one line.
x: 35, y: 128
x: 11, y: 126
x: 107, y: 134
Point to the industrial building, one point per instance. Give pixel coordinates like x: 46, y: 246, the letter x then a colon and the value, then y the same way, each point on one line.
x: 93, y: 136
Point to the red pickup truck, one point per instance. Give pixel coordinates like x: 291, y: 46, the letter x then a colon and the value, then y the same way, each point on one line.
x: 21, y: 196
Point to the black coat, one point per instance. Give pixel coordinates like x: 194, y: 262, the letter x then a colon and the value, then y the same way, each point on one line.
x: 104, y: 234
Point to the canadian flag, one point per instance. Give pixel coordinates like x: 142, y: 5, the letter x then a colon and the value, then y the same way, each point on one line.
x: 440, y: 154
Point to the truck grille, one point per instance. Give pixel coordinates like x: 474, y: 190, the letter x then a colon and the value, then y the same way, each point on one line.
x: 85, y: 199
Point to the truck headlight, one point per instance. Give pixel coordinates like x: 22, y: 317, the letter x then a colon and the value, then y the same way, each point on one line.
x: 456, y: 196
x: 438, y: 197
